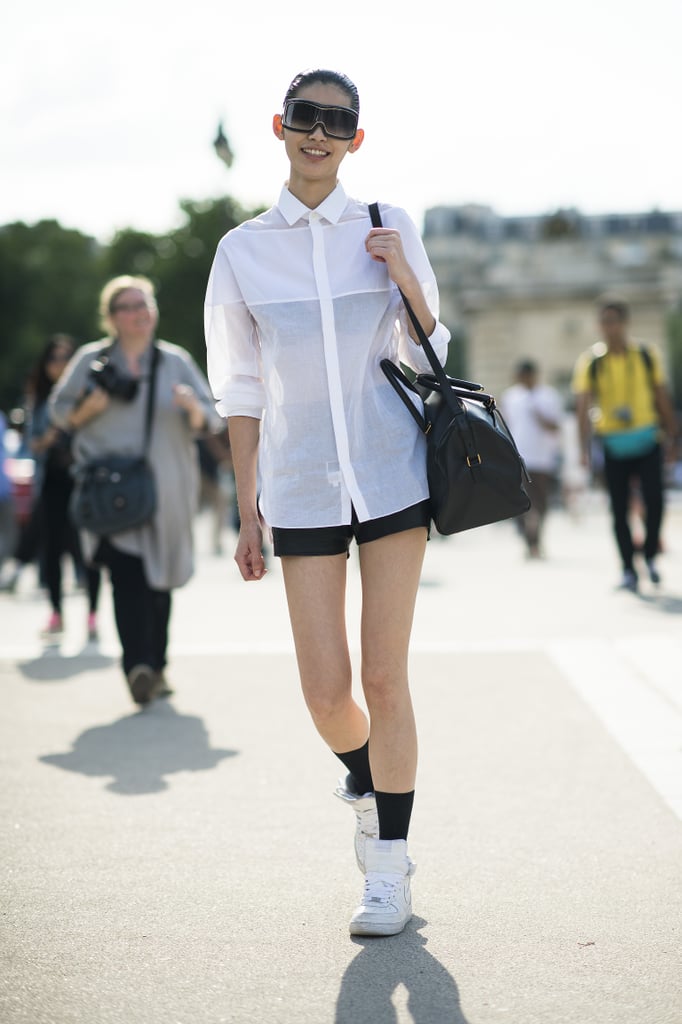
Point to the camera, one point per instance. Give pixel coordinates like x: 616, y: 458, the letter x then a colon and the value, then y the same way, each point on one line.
x: 624, y: 414
x: 104, y: 375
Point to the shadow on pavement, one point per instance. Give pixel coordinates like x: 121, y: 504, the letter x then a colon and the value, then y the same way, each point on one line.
x: 138, y: 751
x: 372, y: 984
x: 52, y: 665
x: 670, y: 604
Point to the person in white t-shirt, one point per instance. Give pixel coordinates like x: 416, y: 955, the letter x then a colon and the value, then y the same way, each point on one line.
x: 534, y: 414
x: 302, y: 305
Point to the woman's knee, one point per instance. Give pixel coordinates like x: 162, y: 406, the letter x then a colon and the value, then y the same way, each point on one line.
x: 329, y: 698
x: 384, y: 687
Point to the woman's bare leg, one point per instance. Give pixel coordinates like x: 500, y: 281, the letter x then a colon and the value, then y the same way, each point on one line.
x: 390, y: 569
x: 316, y: 595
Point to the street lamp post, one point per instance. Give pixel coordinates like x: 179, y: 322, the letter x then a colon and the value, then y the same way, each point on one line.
x: 222, y: 147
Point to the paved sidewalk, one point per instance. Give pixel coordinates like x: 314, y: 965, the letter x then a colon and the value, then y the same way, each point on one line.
x: 188, y: 864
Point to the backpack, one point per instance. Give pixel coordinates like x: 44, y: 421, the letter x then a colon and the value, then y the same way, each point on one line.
x: 646, y: 358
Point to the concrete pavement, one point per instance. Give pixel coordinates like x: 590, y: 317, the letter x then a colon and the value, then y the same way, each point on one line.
x: 188, y: 863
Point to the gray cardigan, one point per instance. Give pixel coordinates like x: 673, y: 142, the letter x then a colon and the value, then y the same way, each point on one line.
x: 165, y: 544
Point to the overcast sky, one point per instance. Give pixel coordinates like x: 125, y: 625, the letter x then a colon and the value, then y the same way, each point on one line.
x: 109, y: 111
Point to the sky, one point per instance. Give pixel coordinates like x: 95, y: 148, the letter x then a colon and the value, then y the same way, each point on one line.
x: 109, y: 111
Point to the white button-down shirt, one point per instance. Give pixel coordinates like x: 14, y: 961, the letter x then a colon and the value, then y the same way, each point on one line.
x: 298, y: 318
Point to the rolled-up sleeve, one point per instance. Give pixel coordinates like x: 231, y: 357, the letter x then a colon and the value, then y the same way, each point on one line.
x: 233, y: 355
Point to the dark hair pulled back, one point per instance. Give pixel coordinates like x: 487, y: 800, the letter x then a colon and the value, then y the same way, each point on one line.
x: 325, y: 77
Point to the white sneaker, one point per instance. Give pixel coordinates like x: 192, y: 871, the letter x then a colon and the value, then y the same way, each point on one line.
x: 386, y: 905
x: 366, y: 820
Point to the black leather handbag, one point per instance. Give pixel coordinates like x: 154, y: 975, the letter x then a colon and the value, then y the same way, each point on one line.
x: 475, y: 472
x: 113, y: 493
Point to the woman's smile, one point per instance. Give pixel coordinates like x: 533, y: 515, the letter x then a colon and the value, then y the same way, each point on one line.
x: 314, y: 152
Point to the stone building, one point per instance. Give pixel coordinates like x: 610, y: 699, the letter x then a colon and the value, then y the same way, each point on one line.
x: 515, y: 287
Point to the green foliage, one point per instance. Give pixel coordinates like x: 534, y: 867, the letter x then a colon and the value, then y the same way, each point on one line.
x: 559, y: 225
x: 456, y: 363
x: 51, y: 277
x: 182, y: 269
x: 49, y: 280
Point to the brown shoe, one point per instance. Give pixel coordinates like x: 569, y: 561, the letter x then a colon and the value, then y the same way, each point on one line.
x: 143, y: 683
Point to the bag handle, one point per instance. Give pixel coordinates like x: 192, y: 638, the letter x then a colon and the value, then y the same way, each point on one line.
x: 399, y: 381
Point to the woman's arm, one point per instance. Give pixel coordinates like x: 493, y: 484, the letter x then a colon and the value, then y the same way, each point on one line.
x: 244, y: 439
x: 666, y: 413
x: 192, y: 393
x: 399, y: 246
x: 72, y: 403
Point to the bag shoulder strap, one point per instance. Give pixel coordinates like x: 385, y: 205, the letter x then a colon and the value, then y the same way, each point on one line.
x: 646, y: 359
x: 151, y: 397
x: 648, y: 362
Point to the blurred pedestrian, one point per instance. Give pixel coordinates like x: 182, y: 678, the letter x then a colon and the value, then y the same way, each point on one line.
x: 623, y: 402
x: 534, y: 414
x: 217, y: 490
x: 106, y: 412
x: 21, y: 470
x: 53, y: 484
x: 303, y: 303
x: 8, y: 523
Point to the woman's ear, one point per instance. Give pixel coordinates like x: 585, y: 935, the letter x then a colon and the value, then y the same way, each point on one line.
x: 357, y: 141
x: 277, y: 127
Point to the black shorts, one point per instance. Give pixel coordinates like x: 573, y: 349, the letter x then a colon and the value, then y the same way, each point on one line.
x: 335, y: 540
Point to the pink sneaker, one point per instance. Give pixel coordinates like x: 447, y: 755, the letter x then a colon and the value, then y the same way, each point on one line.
x: 92, y: 626
x: 54, y: 625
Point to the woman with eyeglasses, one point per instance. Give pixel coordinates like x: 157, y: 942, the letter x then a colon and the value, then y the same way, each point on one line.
x: 302, y: 305
x: 103, y: 399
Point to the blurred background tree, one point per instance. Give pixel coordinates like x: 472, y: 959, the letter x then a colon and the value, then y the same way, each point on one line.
x: 51, y: 276
x: 48, y: 282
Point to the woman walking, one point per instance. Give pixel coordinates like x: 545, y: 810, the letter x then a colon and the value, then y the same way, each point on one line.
x: 53, y: 484
x: 106, y: 411
x: 303, y: 303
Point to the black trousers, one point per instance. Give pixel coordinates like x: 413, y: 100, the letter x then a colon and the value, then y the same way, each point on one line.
x: 620, y: 474
x: 60, y: 538
x: 142, y: 614
x: 531, y: 522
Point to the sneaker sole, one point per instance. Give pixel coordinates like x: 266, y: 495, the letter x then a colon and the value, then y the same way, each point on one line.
x: 377, y: 928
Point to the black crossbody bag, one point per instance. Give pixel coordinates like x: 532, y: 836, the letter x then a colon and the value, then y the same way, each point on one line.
x: 475, y: 472
x: 113, y: 493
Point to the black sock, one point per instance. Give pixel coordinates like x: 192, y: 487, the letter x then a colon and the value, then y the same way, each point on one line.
x: 394, y: 811
x: 357, y: 763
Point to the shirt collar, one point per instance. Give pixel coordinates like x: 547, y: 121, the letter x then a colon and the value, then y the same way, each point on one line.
x: 331, y: 208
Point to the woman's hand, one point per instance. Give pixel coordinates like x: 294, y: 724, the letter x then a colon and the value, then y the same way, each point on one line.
x: 45, y: 441
x: 185, y: 398
x: 386, y: 246
x: 94, y: 403
x: 249, y: 553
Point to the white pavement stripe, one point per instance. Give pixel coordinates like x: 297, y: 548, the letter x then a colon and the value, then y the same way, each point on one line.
x: 659, y: 658
x: 619, y: 682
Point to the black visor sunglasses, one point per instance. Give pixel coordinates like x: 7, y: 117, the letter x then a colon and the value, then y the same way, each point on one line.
x: 303, y: 116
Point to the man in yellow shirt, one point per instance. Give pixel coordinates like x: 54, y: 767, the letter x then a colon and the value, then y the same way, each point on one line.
x: 623, y: 400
